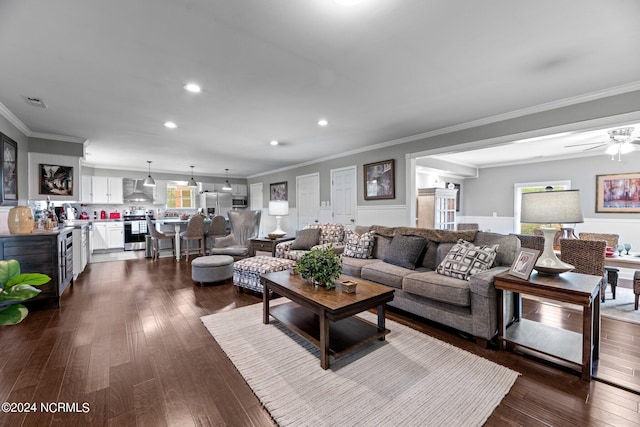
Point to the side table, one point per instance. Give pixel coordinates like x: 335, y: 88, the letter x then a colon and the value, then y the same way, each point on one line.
x: 266, y: 244
x: 578, y: 348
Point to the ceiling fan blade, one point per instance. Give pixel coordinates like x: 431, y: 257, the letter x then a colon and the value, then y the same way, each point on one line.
x: 587, y: 143
x: 596, y: 147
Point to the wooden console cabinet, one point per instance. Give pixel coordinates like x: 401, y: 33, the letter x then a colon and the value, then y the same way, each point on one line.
x: 50, y: 253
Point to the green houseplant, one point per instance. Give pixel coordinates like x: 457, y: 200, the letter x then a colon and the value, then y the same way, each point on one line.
x: 320, y: 266
x: 15, y: 288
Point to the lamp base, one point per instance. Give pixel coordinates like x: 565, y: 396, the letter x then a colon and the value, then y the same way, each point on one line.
x: 278, y: 232
x: 548, y: 263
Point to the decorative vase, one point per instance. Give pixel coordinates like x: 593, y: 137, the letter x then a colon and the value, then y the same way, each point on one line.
x: 20, y: 220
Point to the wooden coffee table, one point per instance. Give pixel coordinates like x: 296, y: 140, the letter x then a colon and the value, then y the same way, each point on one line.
x: 326, y: 317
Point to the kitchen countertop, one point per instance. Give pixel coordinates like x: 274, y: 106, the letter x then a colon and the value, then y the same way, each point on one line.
x: 41, y: 232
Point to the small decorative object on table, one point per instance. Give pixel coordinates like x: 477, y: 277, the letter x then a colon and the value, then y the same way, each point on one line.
x: 320, y: 267
x: 347, y: 286
x: 524, y: 263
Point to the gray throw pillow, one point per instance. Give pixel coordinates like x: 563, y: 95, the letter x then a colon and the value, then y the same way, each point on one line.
x: 404, y: 251
x: 306, y: 239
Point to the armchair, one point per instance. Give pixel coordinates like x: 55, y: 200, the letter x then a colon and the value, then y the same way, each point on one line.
x: 245, y: 226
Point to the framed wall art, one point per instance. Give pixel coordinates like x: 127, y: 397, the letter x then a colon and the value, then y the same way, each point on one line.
x: 278, y: 191
x: 55, y: 180
x: 9, y: 196
x: 618, y: 193
x: 524, y: 263
x: 379, y: 180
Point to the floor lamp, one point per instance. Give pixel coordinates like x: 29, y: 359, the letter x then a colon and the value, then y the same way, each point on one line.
x: 551, y: 207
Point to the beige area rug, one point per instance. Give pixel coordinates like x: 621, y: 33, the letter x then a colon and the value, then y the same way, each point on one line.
x: 620, y: 308
x: 411, y: 379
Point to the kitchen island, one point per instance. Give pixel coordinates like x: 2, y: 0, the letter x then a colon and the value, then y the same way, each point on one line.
x: 177, y: 225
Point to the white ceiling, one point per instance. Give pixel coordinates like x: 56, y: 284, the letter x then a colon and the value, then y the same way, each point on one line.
x: 111, y: 72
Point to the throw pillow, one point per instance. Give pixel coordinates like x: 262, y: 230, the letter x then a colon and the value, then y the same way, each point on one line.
x: 359, y: 245
x: 306, y: 239
x: 465, y: 259
x: 404, y: 251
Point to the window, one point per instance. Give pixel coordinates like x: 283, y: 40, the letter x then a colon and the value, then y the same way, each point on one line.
x: 180, y: 197
x: 524, y: 228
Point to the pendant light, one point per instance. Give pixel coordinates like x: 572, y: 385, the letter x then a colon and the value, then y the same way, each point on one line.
x: 192, y: 182
x: 227, y: 186
x: 149, y: 181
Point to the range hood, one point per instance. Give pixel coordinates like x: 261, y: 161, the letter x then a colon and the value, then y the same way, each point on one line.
x: 134, y: 191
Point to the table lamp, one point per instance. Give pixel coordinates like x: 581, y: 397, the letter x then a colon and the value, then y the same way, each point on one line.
x: 278, y: 208
x: 551, y: 207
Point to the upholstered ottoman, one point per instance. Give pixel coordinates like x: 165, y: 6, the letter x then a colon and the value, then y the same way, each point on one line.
x: 246, y: 272
x: 212, y: 268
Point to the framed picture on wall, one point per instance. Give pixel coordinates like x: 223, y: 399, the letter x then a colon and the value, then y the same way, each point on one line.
x: 618, y: 193
x: 379, y: 180
x: 9, y: 196
x: 278, y: 191
x: 55, y: 180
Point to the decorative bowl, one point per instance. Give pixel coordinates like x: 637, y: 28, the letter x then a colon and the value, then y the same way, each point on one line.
x: 275, y: 236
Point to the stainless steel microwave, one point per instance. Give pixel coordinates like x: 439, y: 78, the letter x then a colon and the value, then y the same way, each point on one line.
x: 239, y: 202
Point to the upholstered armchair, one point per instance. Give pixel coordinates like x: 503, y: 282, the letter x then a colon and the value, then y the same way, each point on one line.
x: 327, y: 235
x: 245, y: 226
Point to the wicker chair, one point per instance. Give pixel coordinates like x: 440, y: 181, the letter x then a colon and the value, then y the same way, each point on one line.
x: 530, y: 241
x: 587, y: 256
x: 612, y: 241
x: 468, y: 226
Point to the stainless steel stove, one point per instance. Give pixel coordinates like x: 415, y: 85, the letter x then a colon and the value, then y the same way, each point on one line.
x: 135, y: 229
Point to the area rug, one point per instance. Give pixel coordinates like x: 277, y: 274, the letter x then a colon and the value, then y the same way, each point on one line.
x: 411, y: 379
x: 621, y: 308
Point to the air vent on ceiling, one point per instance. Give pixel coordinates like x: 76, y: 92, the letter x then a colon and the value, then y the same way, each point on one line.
x: 34, y: 101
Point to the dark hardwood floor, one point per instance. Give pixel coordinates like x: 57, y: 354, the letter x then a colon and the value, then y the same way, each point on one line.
x: 128, y: 341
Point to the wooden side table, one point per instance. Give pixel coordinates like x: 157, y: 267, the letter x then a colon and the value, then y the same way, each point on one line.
x: 265, y: 244
x: 578, y: 348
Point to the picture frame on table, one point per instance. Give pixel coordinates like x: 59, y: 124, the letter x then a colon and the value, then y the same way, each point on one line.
x: 618, y: 193
x: 9, y: 196
x: 55, y: 180
x: 379, y: 180
x: 524, y: 263
x: 278, y: 191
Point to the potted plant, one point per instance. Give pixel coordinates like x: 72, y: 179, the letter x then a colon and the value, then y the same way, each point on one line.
x: 320, y: 266
x: 15, y: 288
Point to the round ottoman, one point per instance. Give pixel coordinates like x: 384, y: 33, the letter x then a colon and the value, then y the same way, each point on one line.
x: 212, y: 268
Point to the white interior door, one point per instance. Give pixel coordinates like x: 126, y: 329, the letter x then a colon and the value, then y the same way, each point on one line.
x: 343, y: 196
x: 307, y: 199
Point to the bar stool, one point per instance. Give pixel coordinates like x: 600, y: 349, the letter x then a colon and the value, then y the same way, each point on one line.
x: 156, y: 236
x: 194, y: 231
x: 636, y: 287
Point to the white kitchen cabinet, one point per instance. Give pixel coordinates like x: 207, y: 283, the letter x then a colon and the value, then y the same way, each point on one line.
x: 80, y: 250
x: 99, y: 236
x: 106, y: 189
x: 239, y: 190
x: 115, y: 235
x: 107, y: 235
x: 85, y: 189
x: 160, y: 192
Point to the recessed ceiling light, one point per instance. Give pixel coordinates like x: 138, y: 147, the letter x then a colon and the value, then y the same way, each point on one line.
x: 274, y: 142
x: 192, y: 87
x: 170, y: 125
x: 323, y: 122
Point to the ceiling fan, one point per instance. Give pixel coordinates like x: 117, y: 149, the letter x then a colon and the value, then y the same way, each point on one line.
x: 620, y: 142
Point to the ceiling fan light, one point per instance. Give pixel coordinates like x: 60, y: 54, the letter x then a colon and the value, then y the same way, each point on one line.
x: 612, y: 150
x: 626, y: 147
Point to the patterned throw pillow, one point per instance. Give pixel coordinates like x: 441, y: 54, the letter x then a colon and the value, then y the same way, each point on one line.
x: 359, y: 245
x: 465, y: 259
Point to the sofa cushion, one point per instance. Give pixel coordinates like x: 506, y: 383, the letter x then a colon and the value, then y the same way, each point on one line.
x: 404, y: 251
x: 508, y: 246
x: 387, y: 274
x: 430, y: 255
x: 358, y: 245
x: 329, y: 233
x: 306, y: 239
x: 438, y: 287
x: 465, y: 259
x: 353, y: 266
x: 380, y: 245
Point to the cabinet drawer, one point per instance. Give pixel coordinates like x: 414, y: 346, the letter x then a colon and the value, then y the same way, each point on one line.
x: 263, y: 246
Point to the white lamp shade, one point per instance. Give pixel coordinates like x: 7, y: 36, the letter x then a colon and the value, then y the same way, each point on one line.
x: 551, y: 207
x: 278, y: 207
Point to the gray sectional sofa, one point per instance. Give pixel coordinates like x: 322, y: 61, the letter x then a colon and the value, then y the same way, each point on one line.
x: 469, y: 306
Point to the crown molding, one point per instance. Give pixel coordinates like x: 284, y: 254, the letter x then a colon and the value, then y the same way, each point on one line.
x: 7, y: 114
x: 64, y: 138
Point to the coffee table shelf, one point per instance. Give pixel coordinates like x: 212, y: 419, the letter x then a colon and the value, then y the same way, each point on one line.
x: 345, y: 336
